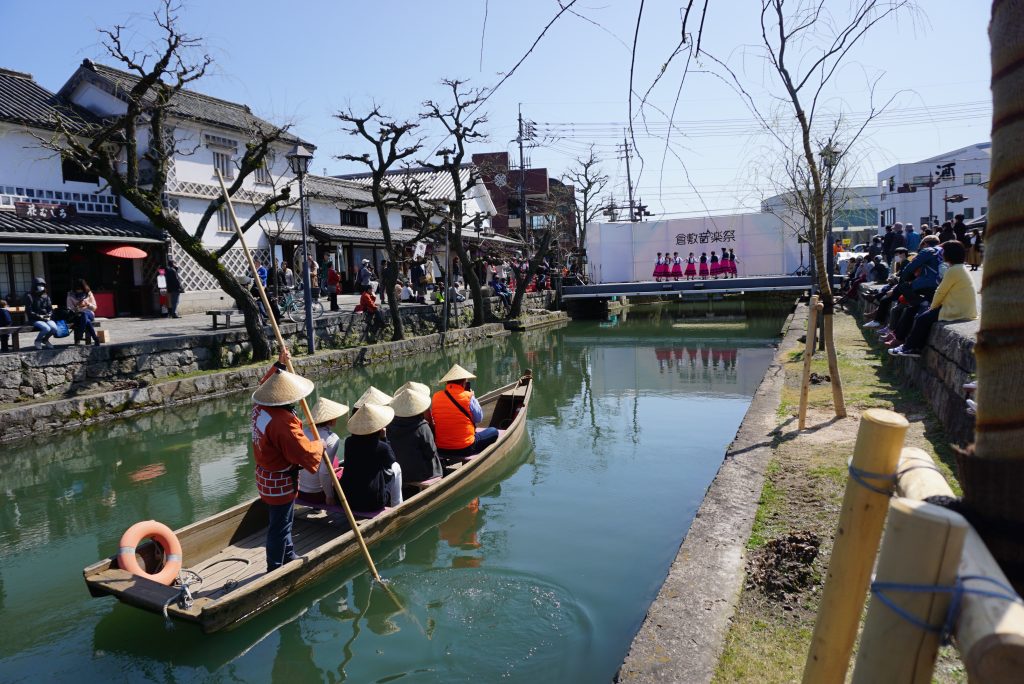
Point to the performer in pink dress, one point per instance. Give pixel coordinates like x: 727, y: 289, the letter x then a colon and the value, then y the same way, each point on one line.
x: 691, y: 267
x: 703, y: 264
x: 658, y: 265
x: 715, y: 266
x: 732, y: 263
x: 723, y: 266
x: 677, y: 266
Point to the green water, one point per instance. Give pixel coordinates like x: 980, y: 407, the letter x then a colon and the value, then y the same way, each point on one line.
x: 545, y: 576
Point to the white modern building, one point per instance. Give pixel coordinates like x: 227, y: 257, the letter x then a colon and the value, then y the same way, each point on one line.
x: 934, y: 190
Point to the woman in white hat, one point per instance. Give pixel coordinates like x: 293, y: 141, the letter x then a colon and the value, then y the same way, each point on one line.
x: 411, y: 438
x: 281, y: 449
x: 456, y: 414
x: 372, y: 479
x: 318, y: 488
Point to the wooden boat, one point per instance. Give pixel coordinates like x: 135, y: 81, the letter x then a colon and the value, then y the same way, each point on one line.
x: 227, y: 550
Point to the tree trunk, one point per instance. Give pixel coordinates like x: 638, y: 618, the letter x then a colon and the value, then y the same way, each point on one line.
x: 993, y: 474
x: 472, y: 281
x: 533, y: 265
x: 389, y: 278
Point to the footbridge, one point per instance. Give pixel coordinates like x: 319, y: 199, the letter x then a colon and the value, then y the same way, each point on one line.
x: 650, y: 288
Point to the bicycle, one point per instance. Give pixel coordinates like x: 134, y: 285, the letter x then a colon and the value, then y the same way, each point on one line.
x: 295, y: 308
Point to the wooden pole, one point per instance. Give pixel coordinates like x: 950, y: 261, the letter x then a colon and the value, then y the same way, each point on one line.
x: 990, y: 631
x: 879, y: 440
x: 805, y: 378
x: 339, y: 492
x: 922, y: 546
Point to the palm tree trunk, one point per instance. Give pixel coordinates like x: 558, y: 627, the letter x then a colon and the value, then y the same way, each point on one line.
x: 992, y: 474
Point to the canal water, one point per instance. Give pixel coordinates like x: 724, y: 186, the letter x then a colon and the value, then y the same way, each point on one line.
x: 543, y: 575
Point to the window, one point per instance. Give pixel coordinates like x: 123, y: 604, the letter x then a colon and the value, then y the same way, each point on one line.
x: 892, y: 183
x: 889, y: 217
x: 921, y: 180
x: 15, y: 276
x: 74, y: 174
x: 984, y: 210
x: 968, y: 213
x: 224, y: 220
x: 356, y: 218
x: 972, y: 178
x: 222, y: 163
x: 263, y: 170
x: 410, y: 222
x: 949, y: 216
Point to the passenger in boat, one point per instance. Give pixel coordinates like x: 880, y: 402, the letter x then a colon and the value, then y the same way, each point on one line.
x: 411, y: 437
x: 319, y: 487
x: 281, y: 449
x: 456, y: 414
x: 372, y: 478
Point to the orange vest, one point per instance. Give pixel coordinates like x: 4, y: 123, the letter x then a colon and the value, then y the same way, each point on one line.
x: 453, y: 430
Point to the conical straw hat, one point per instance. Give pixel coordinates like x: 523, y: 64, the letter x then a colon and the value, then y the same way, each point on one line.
x: 457, y: 372
x: 372, y: 396
x: 326, y: 410
x: 413, y: 385
x: 409, y: 402
x: 370, y: 418
x: 282, y: 388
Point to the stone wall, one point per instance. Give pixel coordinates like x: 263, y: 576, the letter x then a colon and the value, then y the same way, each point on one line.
x: 74, y: 370
x: 940, y: 373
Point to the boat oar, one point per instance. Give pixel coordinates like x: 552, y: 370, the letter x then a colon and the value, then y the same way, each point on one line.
x: 305, y: 407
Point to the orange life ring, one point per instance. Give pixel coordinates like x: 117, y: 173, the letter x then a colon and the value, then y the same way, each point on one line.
x: 162, y: 535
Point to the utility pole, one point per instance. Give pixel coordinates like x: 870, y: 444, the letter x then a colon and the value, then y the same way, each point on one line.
x: 627, y: 153
x: 525, y: 133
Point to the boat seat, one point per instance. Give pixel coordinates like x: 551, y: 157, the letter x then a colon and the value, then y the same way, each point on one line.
x: 422, y: 484
x: 367, y: 515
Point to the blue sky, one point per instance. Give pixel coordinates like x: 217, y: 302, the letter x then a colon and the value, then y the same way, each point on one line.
x: 301, y: 62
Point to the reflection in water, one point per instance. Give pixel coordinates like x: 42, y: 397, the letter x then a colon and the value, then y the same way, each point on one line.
x: 516, y: 584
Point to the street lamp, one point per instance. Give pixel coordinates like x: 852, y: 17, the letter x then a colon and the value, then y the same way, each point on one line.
x: 829, y: 158
x: 298, y: 160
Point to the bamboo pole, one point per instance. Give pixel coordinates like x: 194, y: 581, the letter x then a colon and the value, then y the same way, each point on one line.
x: 922, y: 546
x: 990, y: 631
x: 805, y: 377
x: 339, y: 492
x: 835, y: 379
x: 879, y: 440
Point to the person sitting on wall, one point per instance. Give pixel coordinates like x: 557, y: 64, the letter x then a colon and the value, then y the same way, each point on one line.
x: 372, y: 478
x: 456, y: 414
x: 39, y: 313
x: 501, y: 291
x: 411, y: 437
x: 318, y: 487
x: 82, y: 305
x: 406, y: 294
x: 368, y: 305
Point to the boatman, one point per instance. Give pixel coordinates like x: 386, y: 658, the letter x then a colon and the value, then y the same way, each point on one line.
x: 456, y: 414
x: 281, y: 449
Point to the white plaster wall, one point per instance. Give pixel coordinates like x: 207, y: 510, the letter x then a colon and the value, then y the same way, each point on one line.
x: 24, y: 164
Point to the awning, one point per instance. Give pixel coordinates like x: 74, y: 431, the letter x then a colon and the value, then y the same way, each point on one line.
x: 32, y: 247
x: 373, y: 236
x: 78, y: 228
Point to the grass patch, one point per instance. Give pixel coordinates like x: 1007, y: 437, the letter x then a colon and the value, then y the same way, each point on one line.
x: 768, y: 509
x: 766, y: 651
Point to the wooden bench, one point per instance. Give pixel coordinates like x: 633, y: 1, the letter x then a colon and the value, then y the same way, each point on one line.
x: 15, y: 330
x: 226, y: 313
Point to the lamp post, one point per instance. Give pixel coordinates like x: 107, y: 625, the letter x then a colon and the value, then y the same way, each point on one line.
x: 299, y: 159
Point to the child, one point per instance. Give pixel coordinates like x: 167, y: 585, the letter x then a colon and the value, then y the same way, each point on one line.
x: 691, y: 267
x: 677, y: 266
x: 5, y: 321
x: 732, y: 263
x: 659, y: 268
x: 715, y: 268
x: 703, y: 265
x: 723, y: 267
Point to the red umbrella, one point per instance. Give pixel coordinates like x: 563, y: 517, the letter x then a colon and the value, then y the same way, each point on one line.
x: 124, y: 252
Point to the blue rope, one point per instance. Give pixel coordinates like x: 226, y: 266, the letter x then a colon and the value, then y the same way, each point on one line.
x: 861, y: 477
x: 957, y: 592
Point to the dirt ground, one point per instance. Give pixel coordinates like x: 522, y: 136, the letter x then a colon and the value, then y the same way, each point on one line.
x: 791, y: 542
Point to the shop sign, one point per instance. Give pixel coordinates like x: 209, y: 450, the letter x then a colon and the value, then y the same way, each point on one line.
x: 54, y: 212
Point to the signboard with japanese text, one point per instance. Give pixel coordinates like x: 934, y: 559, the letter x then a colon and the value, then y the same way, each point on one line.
x: 49, y: 211
x: 626, y: 252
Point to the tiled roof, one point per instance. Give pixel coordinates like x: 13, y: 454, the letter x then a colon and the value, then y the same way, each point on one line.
x: 82, y: 227
x: 326, y: 231
x: 186, y: 104
x: 329, y: 188
x: 433, y: 185
x: 23, y: 101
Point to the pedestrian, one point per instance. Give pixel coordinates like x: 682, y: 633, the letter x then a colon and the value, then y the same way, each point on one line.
x: 333, y: 286
x: 280, y: 449
x: 363, y: 278
x: 456, y: 271
x: 288, y: 277
x: 261, y: 271
x: 887, y: 247
x: 947, y: 233
x: 39, y: 312
x: 911, y: 240
x: 82, y: 305
x: 691, y: 267
x: 976, y: 249
x: 960, y: 229
x: 174, y: 287
x: 677, y: 266
x: 314, y: 276
x: 703, y: 265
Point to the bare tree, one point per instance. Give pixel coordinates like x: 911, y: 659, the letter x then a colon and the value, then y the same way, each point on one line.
x: 463, y: 128
x: 588, y: 180
x: 385, y: 136
x: 279, y: 220
x: 140, y: 173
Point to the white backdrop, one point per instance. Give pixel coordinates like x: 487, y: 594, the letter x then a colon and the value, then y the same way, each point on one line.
x: 625, y: 252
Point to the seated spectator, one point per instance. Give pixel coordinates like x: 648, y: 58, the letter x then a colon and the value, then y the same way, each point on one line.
x: 918, y: 279
x: 456, y: 414
x: 82, y: 305
x: 406, y: 294
x: 39, y: 312
x: 955, y: 299
x: 411, y: 438
x: 319, y: 487
x: 6, y: 320
x: 454, y: 294
x: 879, y: 271
x: 368, y: 305
x: 372, y: 478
